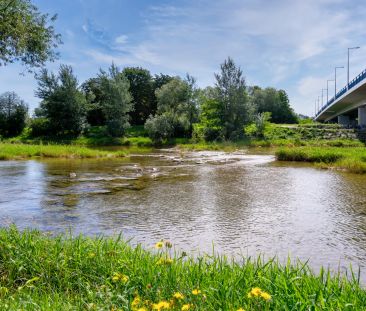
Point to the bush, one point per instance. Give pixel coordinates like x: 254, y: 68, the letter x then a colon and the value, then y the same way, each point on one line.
x: 39, y: 127
x: 160, y: 128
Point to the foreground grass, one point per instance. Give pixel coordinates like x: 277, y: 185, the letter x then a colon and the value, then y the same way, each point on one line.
x: 349, y: 159
x: 22, y: 151
x: 39, y: 272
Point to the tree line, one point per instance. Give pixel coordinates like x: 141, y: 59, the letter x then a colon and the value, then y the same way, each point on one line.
x: 167, y: 106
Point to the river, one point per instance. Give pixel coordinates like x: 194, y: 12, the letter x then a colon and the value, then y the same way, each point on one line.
x: 238, y: 203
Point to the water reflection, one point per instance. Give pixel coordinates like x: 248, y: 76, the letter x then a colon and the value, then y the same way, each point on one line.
x: 243, y: 203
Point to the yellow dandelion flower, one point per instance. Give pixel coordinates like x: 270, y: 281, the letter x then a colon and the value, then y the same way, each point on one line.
x: 178, y: 296
x: 255, y: 292
x: 120, y: 277
x: 196, y: 292
x: 266, y: 296
x: 186, y: 307
x: 135, y: 302
x: 159, y: 245
x: 240, y: 309
x: 161, y: 305
x: 141, y: 309
x: 164, y: 261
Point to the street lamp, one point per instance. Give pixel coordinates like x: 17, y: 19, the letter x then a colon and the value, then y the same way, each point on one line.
x: 328, y: 88
x: 323, y: 97
x: 335, y: 80
x: 354, y: 48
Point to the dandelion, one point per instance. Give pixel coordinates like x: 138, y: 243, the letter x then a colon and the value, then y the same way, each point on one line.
x: 120, y: 277
x: 178, y: 296
x: 240, y: 309
x: 141, y: 309
x: 196, y: 292
x: 159, y: 245
x: 135, y: 303
x: 266, y: 296
x: 161, y: 305
x: 164, y: 261
x: 186, y: 307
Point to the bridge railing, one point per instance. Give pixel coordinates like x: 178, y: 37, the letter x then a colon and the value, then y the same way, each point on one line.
x: 354, y: 82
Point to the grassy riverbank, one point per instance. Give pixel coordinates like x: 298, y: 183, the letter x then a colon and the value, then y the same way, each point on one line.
x: 349, y: 159
x: 59, y: 273
x: 23, y: 151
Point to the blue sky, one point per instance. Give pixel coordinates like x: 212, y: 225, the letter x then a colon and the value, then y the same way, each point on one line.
x: 293, y: 45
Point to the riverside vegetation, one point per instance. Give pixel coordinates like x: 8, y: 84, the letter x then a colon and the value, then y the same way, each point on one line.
x: 40, y: 272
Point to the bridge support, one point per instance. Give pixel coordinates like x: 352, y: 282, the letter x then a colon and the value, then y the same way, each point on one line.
x: 343, y: 120
x: 362, y: 116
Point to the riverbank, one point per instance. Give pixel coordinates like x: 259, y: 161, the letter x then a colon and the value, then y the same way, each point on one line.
x: 59, y: 273
x: 24, y: 151
x: 351, y: 159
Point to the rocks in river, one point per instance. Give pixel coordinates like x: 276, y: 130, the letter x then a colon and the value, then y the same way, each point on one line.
x: 72, y: 175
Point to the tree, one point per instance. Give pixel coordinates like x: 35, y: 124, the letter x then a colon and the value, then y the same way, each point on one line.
x: 26, y: 35
x: 142, y: 91
x: 176, y: 107
x: 63, y: 104
x: 94, y: 96
x: 116, y: 100
x: 13, y: 114
x: 232, y: 94
x: 274, y: 101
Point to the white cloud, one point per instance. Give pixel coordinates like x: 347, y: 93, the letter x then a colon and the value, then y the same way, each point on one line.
x: 122, y: 39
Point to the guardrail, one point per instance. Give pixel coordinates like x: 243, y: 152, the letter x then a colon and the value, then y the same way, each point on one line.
x: 350, y: 85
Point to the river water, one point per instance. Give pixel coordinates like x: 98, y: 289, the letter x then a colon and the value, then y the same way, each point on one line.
x: 238, y: 203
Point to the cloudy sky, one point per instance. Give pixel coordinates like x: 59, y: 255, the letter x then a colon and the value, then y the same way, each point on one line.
x: 288, y: 44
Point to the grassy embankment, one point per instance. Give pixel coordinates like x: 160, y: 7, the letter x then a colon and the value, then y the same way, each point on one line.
x: 39, y: 272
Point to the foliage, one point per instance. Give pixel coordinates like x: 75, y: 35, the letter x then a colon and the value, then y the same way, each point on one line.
x: 116, y: 101
x: 16, y: 151
x: 40, y: 127
x: 232, y: 94
x: 274, y: 101
x: 63, y: 104
x: 142, y: 92
x: 26, y: 35
x: 257, y: 129
x: 13, y: 114
x: 94, y: 96
x: 176, y: 111
x: 63, y: 273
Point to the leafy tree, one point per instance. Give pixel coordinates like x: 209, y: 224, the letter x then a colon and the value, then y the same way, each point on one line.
x: 274, y: 101
x: 142, y: 91
x: 261, y: 121
x: 63, y: 104
x: 160, y: 80
x: 176, y: 107
x: 232, y: 94
x: 94, y: 96
x: 13, y: 114
x: 116, y: 100
x: 26, y: 35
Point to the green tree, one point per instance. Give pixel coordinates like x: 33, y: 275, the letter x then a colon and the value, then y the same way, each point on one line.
x: 176, y: 107
x: 26, y: 35
x: 142, y: 91
x: 13, y: 114
x: 274, y: 101
x: 116, y: 100
x: 232, y: 94
x: 63, y: 104
x: 94, y: 96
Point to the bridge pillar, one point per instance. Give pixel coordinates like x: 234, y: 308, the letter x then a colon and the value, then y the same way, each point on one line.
x: 362, y: 116
x: 343, y: 120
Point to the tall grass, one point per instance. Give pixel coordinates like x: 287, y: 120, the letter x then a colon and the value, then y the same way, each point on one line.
x: 39, y: 272
x: 21, y: 151
x: 349, y: 159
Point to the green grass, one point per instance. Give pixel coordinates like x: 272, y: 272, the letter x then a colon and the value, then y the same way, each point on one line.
x: 22, y: 151
x: 39, y: 272
x: 351, y: 159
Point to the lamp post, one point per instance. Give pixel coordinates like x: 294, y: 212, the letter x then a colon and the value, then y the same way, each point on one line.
x: 335, y: 80
x: 328, y: 89
x: 354, y: 48
x: 323, y: 97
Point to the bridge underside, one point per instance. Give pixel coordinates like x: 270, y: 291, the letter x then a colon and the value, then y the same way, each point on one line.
x: 349, y: 110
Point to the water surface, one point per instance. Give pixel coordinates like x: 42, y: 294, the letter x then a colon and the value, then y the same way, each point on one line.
x: 244, y: 204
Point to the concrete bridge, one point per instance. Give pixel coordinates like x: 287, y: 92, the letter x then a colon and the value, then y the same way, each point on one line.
x: 348, y: 106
